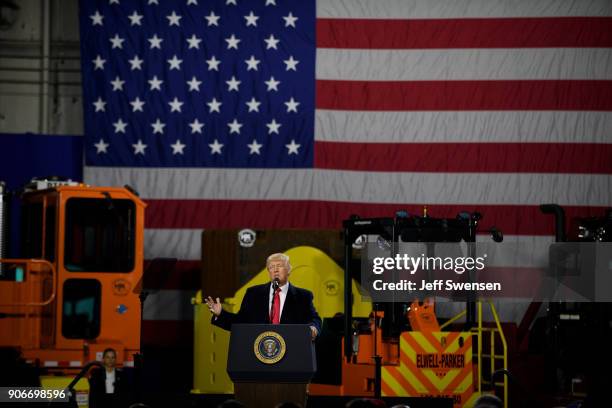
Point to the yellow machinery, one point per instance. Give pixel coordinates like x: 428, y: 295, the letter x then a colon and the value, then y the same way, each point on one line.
x: 81, y: 388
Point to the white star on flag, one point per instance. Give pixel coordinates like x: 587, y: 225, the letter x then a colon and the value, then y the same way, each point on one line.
x: 99, y: 105
x: 194, y: 42
x: 214, y: 106
x: 254, y: 147
x: 177, y: 148
x: 232, y: 42
x: 174, y: 19
x: 196, y: 126
x: 234, y: 126
x: 251, y: 19
x: 96, y: 19
x: 293, y: 147
x: 272, y: 84
x: 273, y: 127
x: 135, y: 63
x: 158, y: 126
x: 194, y: 84
x: 117, y: 84
x: 139, y: 148
x: 213, y: 63
x: 155, y: 83
x: 155, y: 42
x: 291, y: 64
x: 194, y: 2
x: 99, y: 62
x: 120, y: 126
x: 215, y: 147
x: 175, y: 105
x: 175, y: 63
x: 135, y: 19
x: 137, y: 105
x: 292, y: 105
x: 270, y: 3
x: 116, y: 41
x: 252, y: 63
x: 271, y: 42
x: 253, y: 105
x: 232, y: 84
x: 153, y: 2
x: 212, y: 19
x: 290, y: 20
x: 228, y: 2
x: 101, y: 146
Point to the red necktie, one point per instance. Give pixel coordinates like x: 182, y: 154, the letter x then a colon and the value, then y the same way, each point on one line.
x: 275, y: 312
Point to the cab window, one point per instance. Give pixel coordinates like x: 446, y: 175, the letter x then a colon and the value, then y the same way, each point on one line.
x: 100, y: 235
x: 81, y: 308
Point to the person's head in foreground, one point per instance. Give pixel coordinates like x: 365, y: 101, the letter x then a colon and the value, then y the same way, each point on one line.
x: 366, y: 403
x: 488, y: 401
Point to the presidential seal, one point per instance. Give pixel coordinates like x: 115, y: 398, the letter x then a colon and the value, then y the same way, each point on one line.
x: 269, y: 347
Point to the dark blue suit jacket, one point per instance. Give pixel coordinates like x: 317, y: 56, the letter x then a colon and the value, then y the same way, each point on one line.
x: 255, y: 307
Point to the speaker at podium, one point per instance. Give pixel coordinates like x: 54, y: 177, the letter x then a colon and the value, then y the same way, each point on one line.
x: 271, y: 363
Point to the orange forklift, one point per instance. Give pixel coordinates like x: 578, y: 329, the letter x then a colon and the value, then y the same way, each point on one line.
x: 74, y: 291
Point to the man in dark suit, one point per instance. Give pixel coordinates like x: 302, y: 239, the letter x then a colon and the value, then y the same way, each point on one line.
x: 106, y: 384
x: 275, y: 302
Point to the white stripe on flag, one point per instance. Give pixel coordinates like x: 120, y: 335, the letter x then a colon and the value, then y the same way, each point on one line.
x: 519, y: 251
x: 434, y: 9
x: 183, y: 244
x: 356, y: 186
x: 464, y: 126
x: 508, y: 310
x: 169, y: 305
x: 465, y: 64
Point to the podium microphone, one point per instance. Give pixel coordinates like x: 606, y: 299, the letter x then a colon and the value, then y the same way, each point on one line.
x: 275, y: 283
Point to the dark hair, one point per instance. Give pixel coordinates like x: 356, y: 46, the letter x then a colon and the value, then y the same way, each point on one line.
x: 488, y: 401
x: 108, y: 350
x: 365, y: 403
x: 231, y: 403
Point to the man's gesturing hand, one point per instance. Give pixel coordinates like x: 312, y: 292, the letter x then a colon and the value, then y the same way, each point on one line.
x: 213, y: 305
x: 313, y: 333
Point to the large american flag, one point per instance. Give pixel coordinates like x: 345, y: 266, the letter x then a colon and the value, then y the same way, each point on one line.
x: 277, y: 113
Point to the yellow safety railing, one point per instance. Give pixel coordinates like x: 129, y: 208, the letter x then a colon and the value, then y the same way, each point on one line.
x: 492, y: 356
x: 492, y: 331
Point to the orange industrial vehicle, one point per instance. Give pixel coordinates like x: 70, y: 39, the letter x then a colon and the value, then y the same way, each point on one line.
x: 74, y: 292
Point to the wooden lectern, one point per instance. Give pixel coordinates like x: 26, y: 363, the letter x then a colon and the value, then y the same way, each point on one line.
x: 271, y: 363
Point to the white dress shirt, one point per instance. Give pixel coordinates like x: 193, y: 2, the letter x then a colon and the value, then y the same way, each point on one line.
x: 110, y: 381
x: 283, y: 295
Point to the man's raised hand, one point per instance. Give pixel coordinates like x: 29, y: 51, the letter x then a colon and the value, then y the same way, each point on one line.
x: 213, y: 305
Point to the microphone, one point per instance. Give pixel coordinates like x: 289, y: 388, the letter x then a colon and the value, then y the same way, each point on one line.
x: 275, y: 283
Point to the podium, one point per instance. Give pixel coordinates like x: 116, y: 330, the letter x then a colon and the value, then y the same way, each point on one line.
x: 271, y: 363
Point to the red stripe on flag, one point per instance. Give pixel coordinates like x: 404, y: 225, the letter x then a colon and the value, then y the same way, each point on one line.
x: 184, y: 276
x: 464, y: 95
x: 465, y: 33
x: 466, y: 157
x: 163, y: 333
x: 268, y: 214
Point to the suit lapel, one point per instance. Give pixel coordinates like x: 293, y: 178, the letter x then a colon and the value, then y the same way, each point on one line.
x: 289, y: 306
x: 265, y: 295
